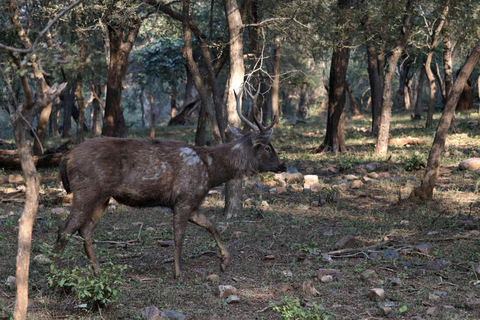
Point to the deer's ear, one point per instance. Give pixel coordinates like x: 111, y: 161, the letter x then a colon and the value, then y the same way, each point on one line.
x: 236, y: 132
x: 262, y: 137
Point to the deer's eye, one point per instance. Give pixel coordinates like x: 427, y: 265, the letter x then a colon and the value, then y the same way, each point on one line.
x: 268, y: 149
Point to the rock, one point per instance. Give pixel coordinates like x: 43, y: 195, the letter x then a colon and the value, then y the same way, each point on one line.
x: 368, y: 274
x: 42, y: 260
x: 264, y: 205
x: 383, y: 175
x: 15, y: 178
x: 433, y: 297
x: 233, y: 299
x: 335, y: 273
x: 280, y: 190
x: 405, y: 141
x: 151, y: 313
x: 356, y: 184
x: 270, y: 184
x: 395, y: 282
x: 294, y: 187
x: 11, y: 283
x: 432, y: 311
x: 326, y: 278
x: 280, y: 176
x: 282, y: 183
x: 213, y: 278
x: 342, y: 186
x: 303, y: 207
x: 309, y: 180
x: 472, y: 305
x: 386, y: 310
x: 58, y: 211
x: 292, y: 169
x: 376, y: 294
x: 366, y: 179
x: 226, y: 291
x: 294, y: 177
x: 172, y: 315
x: 309, y: 290
x: 326, y: 257
x: 425, y: 248
x: 260, y: 188
x: 348, y: 241
x: 372, y: 175
x: 471, y: 164
x: 249, y: 202
x: 287, y: 273
x: 350, y: 177
x: 416, y: 318
x: 270, y: 257
x: 372, y: 166
x: 3, y: 179
x: 390, y: 254
x: 315, y: 203
x: 316, y: 187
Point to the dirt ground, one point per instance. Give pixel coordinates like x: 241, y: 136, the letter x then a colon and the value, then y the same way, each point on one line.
x: 287, y: 258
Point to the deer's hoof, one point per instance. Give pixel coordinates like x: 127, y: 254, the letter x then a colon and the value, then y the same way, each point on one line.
x: 224, y: 263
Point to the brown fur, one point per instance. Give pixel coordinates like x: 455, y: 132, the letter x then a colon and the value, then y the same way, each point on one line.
x: 165, y: 173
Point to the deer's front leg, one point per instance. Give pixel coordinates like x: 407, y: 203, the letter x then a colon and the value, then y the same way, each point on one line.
x: 181, y: 213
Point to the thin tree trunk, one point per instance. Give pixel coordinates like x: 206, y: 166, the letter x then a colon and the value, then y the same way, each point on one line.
x: 276, y: 76
x: 447, y: 60
x: 152, y: 117
x: 353, y: 104
x: 120, y: 48
x: 425, y: 190
x: 385, y: 116
x: 233, y: 188
x: 428, y: 67
x: 419, y: 89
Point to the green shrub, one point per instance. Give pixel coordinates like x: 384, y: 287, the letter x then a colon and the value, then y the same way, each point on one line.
x: 415, y: 162
x: 293, y: 310
x: 95, y: 291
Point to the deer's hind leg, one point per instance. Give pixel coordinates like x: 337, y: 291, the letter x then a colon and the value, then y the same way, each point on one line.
x: 202, y: 221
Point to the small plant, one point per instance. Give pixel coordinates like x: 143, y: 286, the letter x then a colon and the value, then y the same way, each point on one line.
x: 415, y: 162
x: 345, y: 162
x: 293, y: 310
x: 95, y: 291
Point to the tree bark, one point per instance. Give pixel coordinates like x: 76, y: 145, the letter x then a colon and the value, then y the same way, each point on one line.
x: 428, y: 67
x: 419, y: 90
x: 276, y: 77
x: 425, y: 190
x: 385, y: 116
x: 121, y: 45
x: 233, y: 188
x: 78, y: 89
x: 353, y: 104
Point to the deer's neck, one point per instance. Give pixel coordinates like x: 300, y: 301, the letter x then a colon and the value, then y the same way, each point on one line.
x: 229, y: 161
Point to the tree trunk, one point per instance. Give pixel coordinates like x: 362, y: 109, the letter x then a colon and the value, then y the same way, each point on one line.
x: 419, y: 90
x: 384, y: 127
x: 447, y: 59
x: 173, y: 101
x: 120, y: 48
x: 402, y: 94
x: 78, y: 89
x: 276, y: 77
x: 425, y: 190
x: 428, y: 67
x: 465, y: 103
x: 68, y: 101
x: 353, y: 104
x: 233, y: 188
x: 152, y: 117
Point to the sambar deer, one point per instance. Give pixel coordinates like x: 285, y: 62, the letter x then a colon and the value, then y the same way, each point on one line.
x: 146, y: 173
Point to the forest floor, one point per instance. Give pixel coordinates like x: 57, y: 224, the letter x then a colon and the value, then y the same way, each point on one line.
x: 296, y: 254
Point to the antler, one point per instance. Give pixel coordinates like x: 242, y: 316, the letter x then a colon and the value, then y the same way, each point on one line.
x: 257, y: 126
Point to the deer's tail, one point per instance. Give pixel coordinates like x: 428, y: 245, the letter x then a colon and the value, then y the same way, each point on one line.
x: 63, y: 173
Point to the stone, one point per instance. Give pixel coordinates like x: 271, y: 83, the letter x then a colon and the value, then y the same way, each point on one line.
x: 270, y: 257
x: 372, y: 175
x: 348, y: 241
x: 282, y: 183
x: 260, y: 188
x: 366, y: 179
x: 390, y: 254
x: 309, y: 180
x: 383, y: 175
x: 233, y: 299
x: 172, y: 315
x: 432, y: 311
x: 15, y: 178
x: 280, y: 190
x: 287, y: 273
x: 425, y: 248
x: 58, y: 211
x: 326, y: 278
x: 372, y: 166
x: 3, y: 179
x: 213, y: 278
x: 368, y: 274
x: 471, y: 164
x: 316, y: 187
x: 386, y: 310
x: 356, y: 184
x: 264, y: 205
x: 350, y: 177
x: 294, y: 187
x: 224, y: 291
x: 376, y: 294
x: 472, y: 305
x: 335, y: 273
x: 395, y: 282
x: 280, y: 176
x: 294, y: 177
x: 433, y: 297
x: 151, y: 313
x: 42, y: 260
x: 332, y: 170
x: 11, y: 283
